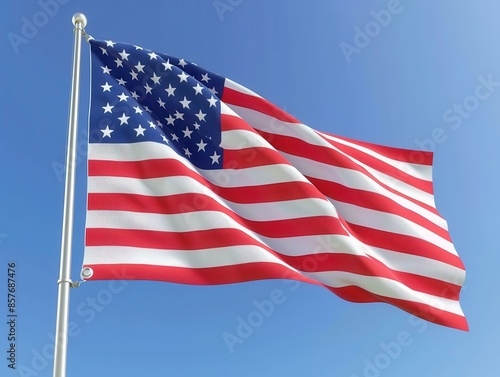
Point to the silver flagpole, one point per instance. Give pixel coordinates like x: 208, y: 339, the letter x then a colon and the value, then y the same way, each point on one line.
x: 64, y: 282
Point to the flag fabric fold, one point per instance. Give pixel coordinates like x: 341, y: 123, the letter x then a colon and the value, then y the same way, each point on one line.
x: 193, y: 178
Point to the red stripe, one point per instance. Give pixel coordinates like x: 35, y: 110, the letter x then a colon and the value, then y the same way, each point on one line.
x: 427, y: 312
x: 161, y: 168
x: 184, y: 203
x: 232, y: 123
x: 234, y: 97
x: 399, y: 154
x: 404, y: 244
x: 237, y: 98
x: 259, y: 271
x: 376, y: 202
x: 382, y: 166
x: 252, y: 157
x: 152, y: 239
x: 247, y: 156
x: 342, y: 162
x: 235, y: 273
x: 331, y: 157
x: 308, y: 263
x: 364, y: 265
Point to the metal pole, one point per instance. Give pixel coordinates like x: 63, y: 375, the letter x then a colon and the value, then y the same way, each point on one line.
x: 61, y: 341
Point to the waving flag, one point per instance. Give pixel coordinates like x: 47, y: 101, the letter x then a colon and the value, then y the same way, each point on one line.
x: 195, y: 179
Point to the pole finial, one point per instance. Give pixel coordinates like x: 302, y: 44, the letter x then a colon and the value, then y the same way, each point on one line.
x: 79, y: 18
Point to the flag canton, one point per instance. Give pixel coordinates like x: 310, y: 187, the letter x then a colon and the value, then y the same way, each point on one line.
x: 139, y: 95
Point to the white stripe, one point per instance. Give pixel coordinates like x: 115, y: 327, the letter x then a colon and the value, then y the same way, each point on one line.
x: 204, y: 258
x: 418, y: 265
x: 240, y: 88
x: 419, y: 171
x: 266, y: 211
x: 253, y: 176
x: 293, y: 246
x: 303, y: 132
x: 240, y: 139
x: 305, y: 165
x: 390, y: 222
x: 146, y: 150
x: 385, y: 287
x: 272, y: 125
x: 357, y: 180
x: 286, y: 210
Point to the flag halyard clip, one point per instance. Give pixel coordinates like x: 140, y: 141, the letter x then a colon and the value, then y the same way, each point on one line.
x: 72, y: 284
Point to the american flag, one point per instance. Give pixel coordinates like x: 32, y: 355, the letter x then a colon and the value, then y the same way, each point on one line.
x: 195, y: 179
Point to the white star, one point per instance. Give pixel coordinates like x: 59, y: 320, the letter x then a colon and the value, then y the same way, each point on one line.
x: 213, y: 101
x: 134, y: 75
x: 187, y: 152
x: 147, y: 109
x: 170, y: 119
x: 139, y: 130
x: 182, y: 63
x: 170, y: 90
x: 185, y: 103
x: 152, y: 125
x: 106, y: 70
x: 139, y: 67
x: 122, y: 97
x: 164, y: 138
x: 122, y: 82
x: 183, y: 76
x: 198, y: 88
x: 124, y: 55
x: 118, y: 62
x: 167, y: 65
x: 138, y: 110
x: 196, y: 125
x: 174, y: 137
x: 201, y: 146
x: 152, y: 56
x: 214, y: 91
x: 201, y: 116
x: 205, y: 77
x: 123, y: 119
x: 106, y: 132
x: 107, y: 108
x: 137, y: 47
x: 162, y: 104
x: 156, y: 79
x: 104, y: 51
x: 106, y: 87
x: 215, y: 158
x: 134, y: 95
x: 148, y: 88
x: 179, y: 115
x: 187, y: 133
x: 110, y: 43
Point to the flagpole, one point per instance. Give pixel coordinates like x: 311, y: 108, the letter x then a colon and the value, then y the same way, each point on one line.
x: 61, y: 339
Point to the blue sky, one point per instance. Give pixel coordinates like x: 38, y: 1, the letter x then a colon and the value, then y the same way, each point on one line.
x: 410, y: 74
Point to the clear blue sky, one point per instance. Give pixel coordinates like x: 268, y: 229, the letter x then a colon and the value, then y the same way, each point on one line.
x: 410, y: 74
